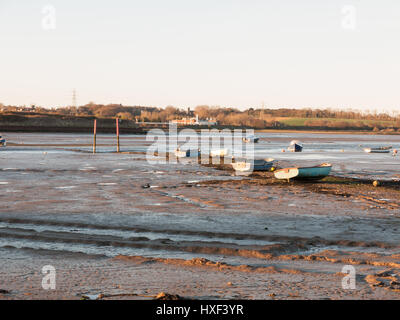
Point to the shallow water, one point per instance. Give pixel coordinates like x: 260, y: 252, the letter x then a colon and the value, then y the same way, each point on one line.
x: 344, y: 151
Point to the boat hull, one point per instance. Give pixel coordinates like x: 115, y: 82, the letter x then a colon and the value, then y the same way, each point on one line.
x: 371, y: 150
x: 304, y: 173
x: 186, y: 153
x: 257, y: 165
x: 251, y: 140
x: 296, y: 148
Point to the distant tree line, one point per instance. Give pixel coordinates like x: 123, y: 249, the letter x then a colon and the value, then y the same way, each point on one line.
x: 256, y: 118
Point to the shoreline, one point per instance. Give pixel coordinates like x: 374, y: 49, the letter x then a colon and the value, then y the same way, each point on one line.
x: 328, y: 132
x: 144, y: 130
x: 84, y: 130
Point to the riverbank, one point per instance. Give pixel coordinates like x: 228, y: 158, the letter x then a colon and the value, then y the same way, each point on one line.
x: 62, y: 124
x: 48, y: 123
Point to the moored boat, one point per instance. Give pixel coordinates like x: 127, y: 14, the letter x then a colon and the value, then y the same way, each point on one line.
x: 251, y: 139
x: 378, y: 150
x: 295, y: 146
x: 255, y: 165
x: 3, y: 142
x: 186, y: 153
x: 304, y: 173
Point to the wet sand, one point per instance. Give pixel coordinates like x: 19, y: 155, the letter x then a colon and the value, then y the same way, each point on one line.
x: 115, y: 225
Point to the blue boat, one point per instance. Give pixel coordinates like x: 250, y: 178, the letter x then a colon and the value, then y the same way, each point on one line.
x: 188, y: 153
x: 3, y: 142
x: 304, y: 173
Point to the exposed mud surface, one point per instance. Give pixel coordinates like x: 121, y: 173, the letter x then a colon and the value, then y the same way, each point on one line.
x: 386, y: 194
x: 119, y: 226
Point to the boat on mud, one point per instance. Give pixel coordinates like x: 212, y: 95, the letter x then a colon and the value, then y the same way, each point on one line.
x: 378, y: 150
x: 253, y: 165
x: 3, y: 142
x: 251, y: 139
x: 186, y: 153
x: 304, y: 173
x: 295, y: 146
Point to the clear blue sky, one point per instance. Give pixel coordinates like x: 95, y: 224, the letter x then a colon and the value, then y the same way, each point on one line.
x: 183, y: 52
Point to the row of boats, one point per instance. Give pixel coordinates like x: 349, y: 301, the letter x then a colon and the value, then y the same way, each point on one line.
x: 296, y: 173
x: 247, y: 166
x: 292, y: 173
x: 295, y: 146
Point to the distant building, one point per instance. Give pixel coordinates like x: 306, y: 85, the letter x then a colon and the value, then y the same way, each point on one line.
x: 185, y: 121
x: 194, y: 121
x: 17, y: 109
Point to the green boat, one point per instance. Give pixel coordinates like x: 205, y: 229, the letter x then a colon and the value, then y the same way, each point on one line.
x: 304, y: 173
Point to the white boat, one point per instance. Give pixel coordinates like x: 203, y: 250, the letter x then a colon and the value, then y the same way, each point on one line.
x: 251, y: 139
x: 255, y: 165
x: 186, y: 153
x: 219, y: 153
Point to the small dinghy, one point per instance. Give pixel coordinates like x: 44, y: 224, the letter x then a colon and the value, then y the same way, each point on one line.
x: 378, y: 150
x: 304, y: 173
x: 295, y: 146
x: 186, y: 153
x: 251, y: 139
x: 255, y: 165
x: 3, y: 142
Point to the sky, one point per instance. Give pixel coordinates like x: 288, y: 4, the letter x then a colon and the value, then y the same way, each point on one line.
x: 231, y: 53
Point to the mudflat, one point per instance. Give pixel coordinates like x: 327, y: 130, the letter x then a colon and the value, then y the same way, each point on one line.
x: 115, y: 226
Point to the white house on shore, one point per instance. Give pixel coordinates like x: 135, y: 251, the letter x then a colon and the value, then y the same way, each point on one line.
x: 195, y: 121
